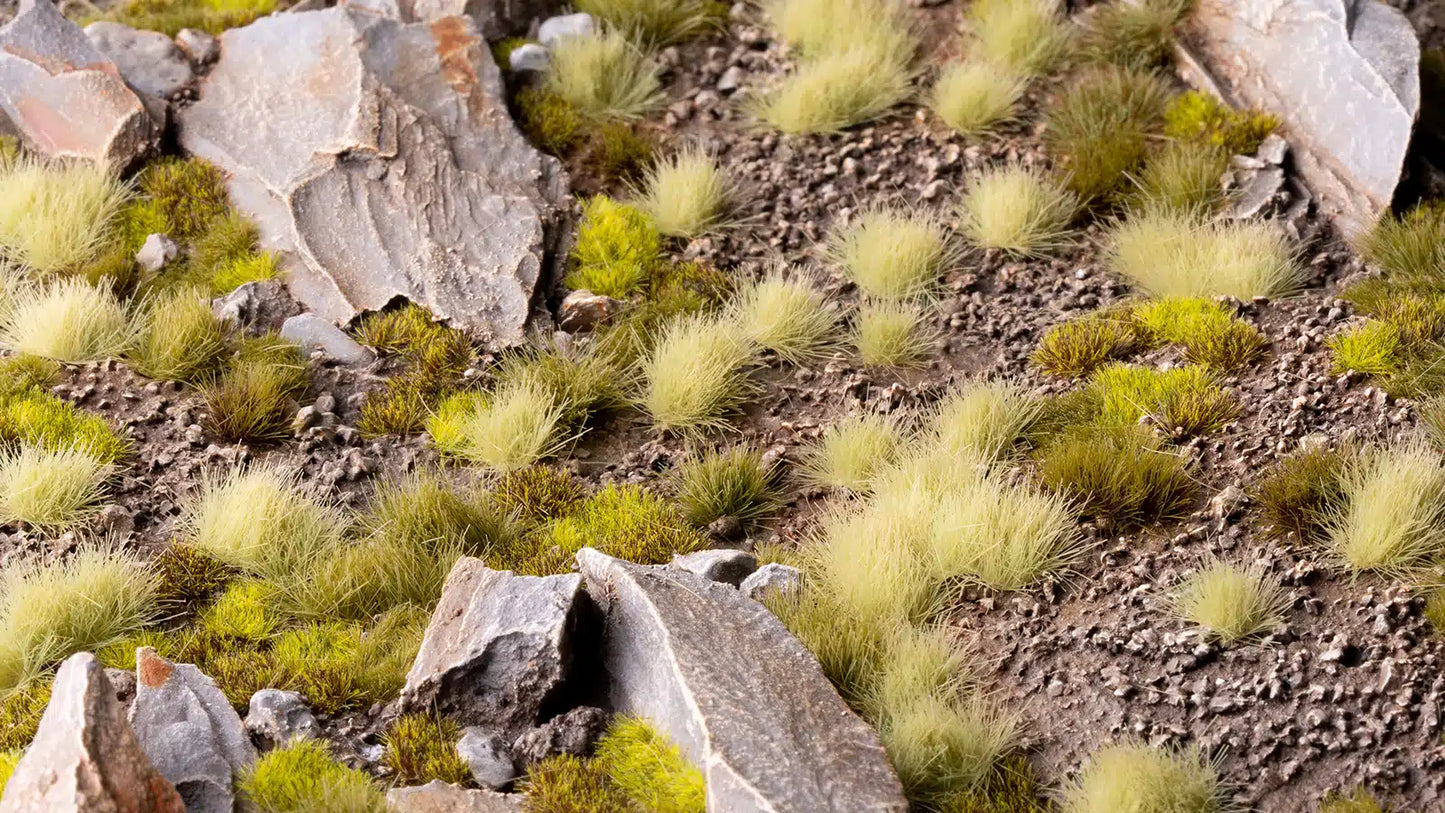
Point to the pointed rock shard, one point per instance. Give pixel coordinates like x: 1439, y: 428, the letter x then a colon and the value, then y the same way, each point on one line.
x: 84, y: 758
x: 746, y: 702
x: 190, y: 732
x: 1348, y: 108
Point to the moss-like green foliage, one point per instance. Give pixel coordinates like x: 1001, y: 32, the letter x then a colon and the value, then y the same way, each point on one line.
x: 44, y: 421
x: 628, y: 522
x: 617, y: 248
x: 243, y: 611
x: 1372, y: 348
x: 1133, y: 35
x: 568, y: 784
x: 180, y: 338
x: 185, y: 194
x: 25, y: 375
x: 253, y: 399
x: 538, y: 494
x: 301, y: 777
x: 189, y: 577
x: 1359, y: 800
x: 1184, y: 399
x: 20, y: 712
x: 618, y: 150
x: 604, y: 76
x: 1099, y: 129
x: 344, y: 666
x: 436, y: 357
x: 647, y: 767
x: 1078, y: 347
x: 734, y: 483
x: 1119, y: 473
x: 1200, y: 117
x: 550, y: 121
x: 1183, y: 176
x: 1409, y: 246
x: 170, y: 16
x: 1136, y: 777
x: 423, y: 747
x: 502, y: 50
x: 8, y: 760
x: 1299, y: 493
x: 1208, y: 331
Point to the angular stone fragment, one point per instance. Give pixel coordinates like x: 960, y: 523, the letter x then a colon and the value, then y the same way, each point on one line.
x: 495, y: 18
x: 190, y: 732
x: 489, y: 758
x: 314, y: 333
x: 530, y: 57
x: 582, y: 310
x: 552, y: 29
x: 722, y: 565
x: 575, y: 733
x: 156, y: 253
x: 1343, y: 75
x: 259, y: 307
x: 274, y: 717
x: 379, y: 158
x: 198, y: 45
x: 497, y: 649
x: 745, y: 701
x: 64, y: 97
x: 148, y: 60
x: 437, y: 796
x: 84, y: 758
x: 771, y: 578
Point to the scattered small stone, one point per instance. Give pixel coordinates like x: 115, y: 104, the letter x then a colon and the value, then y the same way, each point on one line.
x: 530, y: 58
x: 488, y: 757
x: 437, y: 796
x: 274, y: 717
x: 156, y: 253
x: 314, y: 333
x: 772, y: 577
x: 582, y: 310
x: 575, y: 733
x: 258, y: 307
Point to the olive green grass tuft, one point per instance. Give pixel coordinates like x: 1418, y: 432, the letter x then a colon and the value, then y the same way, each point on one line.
x: 786, y: 315
x: 618, y: 247
x: 1358, y: 800
x: 1371, y: 347
x: 1120, y: 473
x: 56, y: 216
x: 891, y: 334
x: 68, y: 320
x: 537, y: 494
x: 892, y: 253
x: 24, y: 374
x: 628, y: 522
x: 1183, y: 400
x: 853, y: 451
x: 585, y: 383
x: 618, y: 150
x: 1000, y: 534
x: 553, y: 124
x: 1017, y: 209
x: 43, y: 421
x: 1185, y: 254
x: 346, y: 666
x: 1393, y: 517
x: 1435, y: 611
x: 974, y: 96
x: 571, y: 784
x: 184, y: 195
x: 510, y: 428
x: 980, y: 420
x: 1099, y: 130
x: 301, y: 777
x: 839, y: 89
x: 170, y: 16
x: 939, y: 743
x: 733, y: 483
x: 423, y: 509
x: 649, y: 769
x: 244, y: 611
x: 686, y: 194
x: 253, y: 399
x: 1300, y: 493
x: 1012, y: 787
x: 50, y: 490
x: 1137, y: 777
x: 1183, y: 177
x: 8, y: 760
x: 435, y: 357
x: 423, y: 747
x: 604, y: 76
x: 1132, y: 35
x: 1408, y: 246
x: 179, y: 338
x: 695, y: 375
x: 257, y: 521
x: 20, y: 713
x: 1026, y: 37
x: 96, y: 595
x: 1232, y: 603
x: 1201, y: 118
x: 1081, y: 346
x: 1208, y: 331
x: 656, y: 23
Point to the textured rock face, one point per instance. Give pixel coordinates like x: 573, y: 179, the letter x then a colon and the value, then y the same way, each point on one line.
x: 64, y: 97
x: 148, y: 60
x: 495, y: 18
x: 437, y: 796
x: 1342, y: 74
x: 744, y: 700
x: 380, y: 159
x: 190, y: 732
x: 497, y: 649
x: 275, y: 717
x: 84, y: 758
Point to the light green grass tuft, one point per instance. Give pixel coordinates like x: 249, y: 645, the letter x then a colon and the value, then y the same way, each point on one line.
x: 20, y: 713
x: 694, y: 376
x: 891, y: 334
x: 1394, y: 509
x: 974, y: 96
x: 869, y: 560
x: 1027, y: 37
x: 734, y: 483
x: 981, y: 420
x: 300, y: 777
x: 787, y: 316
x: 421, y: 747
x: 1182, y: 177
x: 1136, y: 777
x: 1184, y: 254
x: 1137, y: 35
x: 618, y: 246
x: 25, y: 375
x: 1408, y: 245
x: 604, y: 75
x: 1232, y: 603
x: 850, y: 648
x: 8, y: 760
x: 687, y: 194
x: 51, y: 490
x: 179, y: 339
x: 56, y: 217
x: 1372, y: 348
x: 814, y: 28
x: 1001, y: 535
x: 854, y: 450
x: 655, y: 23
x: 646, y: 766
x: 67, y: 320
x: 505, y: 430
x: 258, y: 521
x: 1099, y: 130
x: 939, y: 744
x: 891, y: 253
x: 838, y: 90
x: 1016, y: 209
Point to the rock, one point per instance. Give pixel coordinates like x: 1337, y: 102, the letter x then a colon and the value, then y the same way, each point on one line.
x: 726, y: 529
x: 771, y: 578
x: 314, y: 333
x: 1348, y: 109
x: 731, y: 80
x: 190, y: 732
x: 274, y: 717
x: 530, y: 57
x: 379, y: 160
x: 575, y: 733
x: 1257, y: 193
x: 566, y: 25
x: 488, y: 757
x: 198, y: 45
x: 742, y: 698
x: 64, y: 97
x: 84, y: 757
x: 494, y: 18
x: 259, y: 307
x: 437, y: 796
x: 148, y: 60
x: 123, y: 682
x: 156, y: 253
x: 1272, y: 150
x: 497, y: 649
x: 723, y: 565
x: 582, y: 310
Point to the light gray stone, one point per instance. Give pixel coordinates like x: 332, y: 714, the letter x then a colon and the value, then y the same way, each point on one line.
x: 275, y: 717
x: 379, y: 160
x: 198, y: 45
x: 575, y: 733
x: 495, y: 18
x: 530, y: 57
x: 314, y: 333
x: 64, y: 97
x: 771, y: 578
x: 498, y: 647
x: 489, y: 758
x: 723, y: 565
x: 84, y: 758
x: 259, y: 307
x: 1257, y: 193
x: 1272, y: 150
x: 149, y: 61
x: 156, y: 253
x: 552, y: 29
x: 190, y: 732
x: 743, y: 699
x: 1343, y: 75
x: 437, y: 796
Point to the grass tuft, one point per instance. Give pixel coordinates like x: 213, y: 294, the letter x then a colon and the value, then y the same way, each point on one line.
x: 656, y: 23
x: 734, y: 483
x: 1201, y: 118
x: 849, y: 647
x: 1027, y: 37
x: 604, y: 75
x: 20, y: 713
x: 569, y: 784
x: 694, y: 375
x: 421, y: 747
x: 1408, y: 246
x: 45, y: 422
x: 1184, y: 254
x: 1117, y: 473
x: 1393, y: 515
x: 584, y: 383
x: 1136, y: 777
x: 868, y: 559
x: 505, y: 430
x: 891, y: 334
x: 1182, y: 177
x: 258, y: 522
x: 974, y: 96
x: 1136, y: 35
x: 939, y: 744
x: 891, y: 253
x: 618, y: 246
x: 1372, y: 348
x: 189, y: 577
x: 1183, y: 400
x: 1208, y: 331
x: 1016, y: 209
x: 67, y: 320
x: 1099, y: 130
x: 1000, y: 535
x: 254, y: 397
x: 627, y: 522
x: 839, y: 89
x: 25, y: 375
x: 1232, y: 603
x: 56, y: 217
x: 1301, y: 492
x: 50, y: 490
x: 179, y: 338
x: 1359, y: 800
x: 980, y: 421
x: 646, y: 766
x: 787, y: 316
x: 853, y: 451
x: 301, y: 777
x: 1079, y: 347
x: 687, y: 194
x: 537, y: 494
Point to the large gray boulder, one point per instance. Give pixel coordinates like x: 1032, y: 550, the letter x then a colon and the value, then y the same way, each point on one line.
x: 63, y: 96
x: 84, y: 758
x: 746, y: 702
x: 1343, y: 75
x: 190, y: 732
x: 437, y: 796
x: 497, y: 649
x: 378, y: 157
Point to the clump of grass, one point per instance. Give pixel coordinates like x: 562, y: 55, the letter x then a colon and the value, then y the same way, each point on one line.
x: 854, y: 450
x: 1081, y: 346
x: 1133, y: 35
x: 618, y: 246
x: 1016, y: 209
x: 43, y: 421
x: 537, y: 494
x: 1409, y: 245
x: 180, y: 197
x: 694, y: 375
x: 584, y: 383
x: 300, y: 777
x: 1301, y: 492
x: 1358, y: 801
x: 1232, y: 603
x: 604, y: 75
x: 1203, y: 119
x: 422, y: 747
x: 817, y: 27
x: 655, y: 23
x: 179, y: 338
x: 243, y: 612
x: 891, y: 253
x: 258, y: 522
x: 25, y: 375
x: 569, y: 784
x: 1117, y: 473
x: 1025, y: 37
x: 422, y: 509
x: 973, y: 96
x: 1393, y: 515
x: 1186, y: 399
x: 787, y: 316
x: 849, y: 647
x: 1136, y: 777
x: 649, y: 769
x: 170, y: 16
x: 346, y: 666
x: 1100, y: 129
x: 839, y: 89
x: 982, y: 421
x: 253, y: 398
x: 1207, y: 330
x: 891, y: 334
x: 687, y: 194
x: 1000, y: 535
x: 50, y: 490
x: 55, y: 217
x: 189, y: 577
x: 1183, y: 177
x: 20, y: 713
x: 68, y: 320
x: 436, y: 356
x: 939, y: 744
x: 732, y: 483
x: 1372, y: 348
x: 508, y: 429
x: 95, y: 596
x: 1184, y: 254
x: 867, y: 559
x: 552, y: 123
x: 8, y: 760
x: 627, y: 522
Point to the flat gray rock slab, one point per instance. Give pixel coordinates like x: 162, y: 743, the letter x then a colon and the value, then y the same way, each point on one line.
x: 84, y: 758
x: 63, y: 96
x: 1343, y: 75
x: 148, y: 60
x: 437, y: 796
x: 312, y: 332
x: 379, y: 159
x: 747, y: 703
x: 497, y: 648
